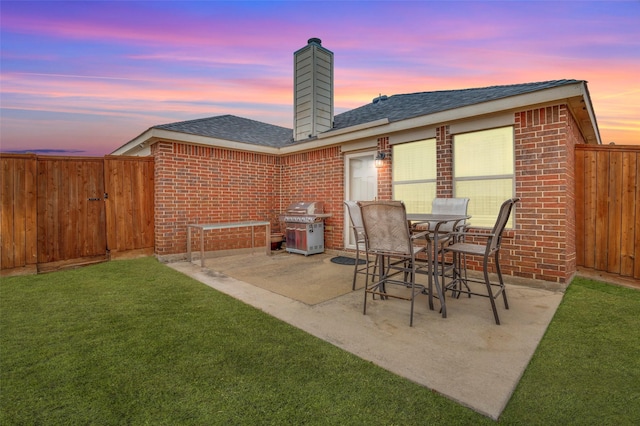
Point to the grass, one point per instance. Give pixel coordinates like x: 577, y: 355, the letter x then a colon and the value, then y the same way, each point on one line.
x: 135, y: 342
x: 586, y: 369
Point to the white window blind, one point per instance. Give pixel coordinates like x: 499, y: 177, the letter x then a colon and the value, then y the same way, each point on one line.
x: 414, y: 161
x: 484, y: 153
x: 483, y: 171
x: 414, y: 174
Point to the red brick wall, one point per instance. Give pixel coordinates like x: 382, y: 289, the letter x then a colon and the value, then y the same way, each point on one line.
x: 385, y: 188
x: 574, y: 137
x: 444, y: 155
x: 544, y: 243
x: 203, y: 185
x: 207, y: 185
x: 211, y: 185
x: 316, y: 176
x: 542, y: 246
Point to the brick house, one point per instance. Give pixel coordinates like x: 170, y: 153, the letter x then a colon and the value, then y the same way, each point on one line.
x: 487, y: 144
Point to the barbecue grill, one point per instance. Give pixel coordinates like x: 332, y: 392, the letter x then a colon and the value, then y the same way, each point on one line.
x: 304, y: 227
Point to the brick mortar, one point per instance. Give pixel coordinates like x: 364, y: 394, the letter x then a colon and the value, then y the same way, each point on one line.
x: 196, y: 184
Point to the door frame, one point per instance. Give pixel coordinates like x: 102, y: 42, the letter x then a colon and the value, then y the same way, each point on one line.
x: 348, y: 190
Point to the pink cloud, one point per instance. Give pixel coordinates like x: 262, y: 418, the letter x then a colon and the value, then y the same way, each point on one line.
x: 152, y: 63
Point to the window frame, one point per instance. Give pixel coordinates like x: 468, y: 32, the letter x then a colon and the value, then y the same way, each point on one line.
x: 485, y: 177
x: 430, y: 180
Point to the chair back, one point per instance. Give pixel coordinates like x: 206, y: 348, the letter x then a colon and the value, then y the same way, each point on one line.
x: 355, y: 216
x: 501, y: 222
x: 386, y: 227
x: 449, y: 206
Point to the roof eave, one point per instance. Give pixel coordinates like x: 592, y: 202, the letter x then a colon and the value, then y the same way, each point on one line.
x: 575, y: 95
x: 569, y: 93
x: 588, y: 107
x: 153, y: 135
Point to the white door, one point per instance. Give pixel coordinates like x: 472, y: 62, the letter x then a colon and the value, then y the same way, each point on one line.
x: 361, y: 184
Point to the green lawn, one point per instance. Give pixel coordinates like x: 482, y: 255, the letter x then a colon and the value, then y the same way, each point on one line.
x: 135, y: 342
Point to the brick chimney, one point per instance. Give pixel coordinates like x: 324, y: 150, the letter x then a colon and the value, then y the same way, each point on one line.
x: 312, y: 90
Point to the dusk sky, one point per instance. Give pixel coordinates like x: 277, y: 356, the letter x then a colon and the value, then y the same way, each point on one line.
x: 84, y: 78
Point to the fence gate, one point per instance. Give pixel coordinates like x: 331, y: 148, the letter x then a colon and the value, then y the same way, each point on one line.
x: 129, y: 183
x: 63, y: 211
x: 71, y: 211
x: 608, y: 209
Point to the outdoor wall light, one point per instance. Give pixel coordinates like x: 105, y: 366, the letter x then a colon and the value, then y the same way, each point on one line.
x: 379, y: 162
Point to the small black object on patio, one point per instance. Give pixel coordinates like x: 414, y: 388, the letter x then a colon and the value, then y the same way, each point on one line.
x: 344, y: 260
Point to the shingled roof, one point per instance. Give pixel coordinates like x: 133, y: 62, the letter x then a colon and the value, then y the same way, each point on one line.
x: 402, y: 107
x: 394, y: 108
x: 233, y: 128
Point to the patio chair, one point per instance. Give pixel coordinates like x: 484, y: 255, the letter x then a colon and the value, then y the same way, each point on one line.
x: 357, y: 227
x: 450, y: 206
x: 491, y: 248
x: 388, y: 236
x: 454, y: 206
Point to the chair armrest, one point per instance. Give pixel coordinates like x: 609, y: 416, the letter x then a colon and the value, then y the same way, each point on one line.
x: 473, y: 234
x: 422, y: 234
x: 462, y: 227
x: 420, y: 226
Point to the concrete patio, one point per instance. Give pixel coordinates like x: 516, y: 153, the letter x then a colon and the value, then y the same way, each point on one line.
x: 466, y: 357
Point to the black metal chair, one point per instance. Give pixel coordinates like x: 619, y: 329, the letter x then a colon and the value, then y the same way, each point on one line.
x: 389, y: 238
x: 357, y: 227
x: 460, y: 281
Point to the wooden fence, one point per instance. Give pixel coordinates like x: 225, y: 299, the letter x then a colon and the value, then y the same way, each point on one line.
x: 61, y: 211
x: 129, y: 183
x: 58, y: 211
x: 608, y: 209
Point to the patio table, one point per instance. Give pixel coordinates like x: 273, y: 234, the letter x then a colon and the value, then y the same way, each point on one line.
x: 208, y: 227
x: 439, y: 220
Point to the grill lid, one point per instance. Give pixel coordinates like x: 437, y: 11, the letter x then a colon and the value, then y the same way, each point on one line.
x: 304, y: 207
x: 305, y: 212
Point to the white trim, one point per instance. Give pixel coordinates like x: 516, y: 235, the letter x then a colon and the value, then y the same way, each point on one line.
x: 502, y: 120
x: 360, y: 145
x: 331, y: 133
x: 478, y: 178
x: 347, y: 192
x: 412, y: 135
x: 154, y: 135
x: 564, y: 94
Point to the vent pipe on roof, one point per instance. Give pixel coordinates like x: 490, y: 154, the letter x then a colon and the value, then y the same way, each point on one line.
x: 380, y: 98
x: 312, y: 90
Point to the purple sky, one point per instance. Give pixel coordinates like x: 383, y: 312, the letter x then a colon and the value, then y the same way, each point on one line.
x: 83, y: 78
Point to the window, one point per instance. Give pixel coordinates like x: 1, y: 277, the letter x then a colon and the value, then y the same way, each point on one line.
x: 483, y: 170
x: 414, y: 174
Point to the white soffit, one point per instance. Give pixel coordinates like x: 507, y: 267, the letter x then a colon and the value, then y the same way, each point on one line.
x: 483, y: 123
x: 412, y: 135
x: 360, y: 145
x: 154, y: 135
